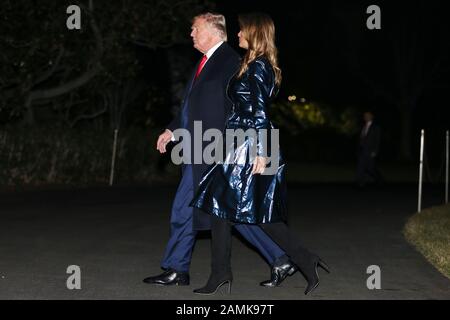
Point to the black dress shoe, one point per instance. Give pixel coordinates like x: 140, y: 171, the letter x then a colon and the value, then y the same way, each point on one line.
x: 168, y: 278
x: 279, y: 273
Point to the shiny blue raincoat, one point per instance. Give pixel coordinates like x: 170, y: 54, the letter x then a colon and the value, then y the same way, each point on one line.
x: 228, y: 189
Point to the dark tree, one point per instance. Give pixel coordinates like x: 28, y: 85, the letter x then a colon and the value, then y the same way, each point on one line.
x: 43, y: 64
x: 400, y: 62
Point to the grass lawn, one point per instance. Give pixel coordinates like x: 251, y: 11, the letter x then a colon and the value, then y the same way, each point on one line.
x: 429, y: 232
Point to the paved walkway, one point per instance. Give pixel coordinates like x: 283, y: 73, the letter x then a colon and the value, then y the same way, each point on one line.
x: 117, y: 236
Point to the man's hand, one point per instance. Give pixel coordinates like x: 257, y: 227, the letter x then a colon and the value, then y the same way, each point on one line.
x: 259, y: 165
x: 163, y: 139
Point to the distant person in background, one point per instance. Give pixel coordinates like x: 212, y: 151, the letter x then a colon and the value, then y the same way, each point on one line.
x: 369, y: 144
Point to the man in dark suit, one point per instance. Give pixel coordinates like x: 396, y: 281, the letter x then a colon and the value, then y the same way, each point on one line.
x: 205, y: 100
x: 368, y: 148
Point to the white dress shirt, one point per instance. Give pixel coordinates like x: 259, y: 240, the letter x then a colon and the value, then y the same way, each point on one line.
x: 366, y: 128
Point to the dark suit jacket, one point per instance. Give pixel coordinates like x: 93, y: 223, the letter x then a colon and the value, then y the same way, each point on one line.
x: 371, y: 142
x: 207, y: 101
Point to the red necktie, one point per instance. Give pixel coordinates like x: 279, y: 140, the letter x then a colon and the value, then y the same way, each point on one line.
x: 200, y: 66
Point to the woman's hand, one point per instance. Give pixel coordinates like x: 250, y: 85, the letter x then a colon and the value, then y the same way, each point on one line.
x: 259, y: 165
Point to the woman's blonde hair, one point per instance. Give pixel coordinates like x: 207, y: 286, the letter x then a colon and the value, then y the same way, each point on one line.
x: 259, y: 31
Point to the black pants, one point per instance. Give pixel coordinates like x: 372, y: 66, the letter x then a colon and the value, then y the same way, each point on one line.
x: 367, y: 169
x: 291, y: 244
x: 279, y: 232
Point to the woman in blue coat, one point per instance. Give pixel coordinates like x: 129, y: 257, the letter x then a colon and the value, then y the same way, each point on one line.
x: 236, y: 190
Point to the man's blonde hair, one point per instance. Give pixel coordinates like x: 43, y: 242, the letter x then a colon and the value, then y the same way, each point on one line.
x: 216, y: 21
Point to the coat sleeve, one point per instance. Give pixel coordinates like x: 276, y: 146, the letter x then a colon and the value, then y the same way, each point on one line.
x: 260, y: 86
x: 233, y: 66
x: 175, y: 123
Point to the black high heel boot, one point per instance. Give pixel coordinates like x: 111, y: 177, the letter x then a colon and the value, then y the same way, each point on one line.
x: 306, y: 261
x: 220, y: 257
x: 213, y: 285
x: 313, y: 278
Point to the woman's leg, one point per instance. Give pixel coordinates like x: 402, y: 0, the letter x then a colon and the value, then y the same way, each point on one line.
x: 288, y: 240
x: 220, y: 256
x: 306, y: 261
x: 220, y: 248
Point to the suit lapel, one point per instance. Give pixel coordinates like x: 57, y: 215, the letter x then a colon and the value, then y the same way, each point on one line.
x: 188, y: 88
x: 208, y: 65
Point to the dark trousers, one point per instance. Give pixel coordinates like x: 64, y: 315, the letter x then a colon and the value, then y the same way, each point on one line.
x: 291, y: 244
x: 179, y: 248
x: 280, y: 234
x: 367, y: 170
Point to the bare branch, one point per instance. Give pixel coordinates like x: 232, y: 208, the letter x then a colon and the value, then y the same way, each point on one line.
x: 77, y: 82
x: 52, y: 70
x: 88, y: 116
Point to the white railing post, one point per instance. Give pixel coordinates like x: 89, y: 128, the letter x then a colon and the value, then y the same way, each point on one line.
x: 113, y: 160
x: 419, y: 200
x: 446, y: 166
